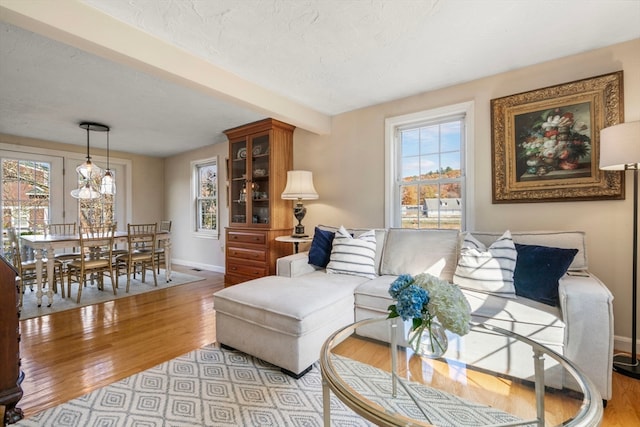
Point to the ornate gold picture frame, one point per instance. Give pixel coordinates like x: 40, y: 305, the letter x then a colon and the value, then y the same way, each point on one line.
x: 546, y: 142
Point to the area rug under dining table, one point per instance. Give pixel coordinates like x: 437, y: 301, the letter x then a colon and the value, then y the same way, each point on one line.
x: 92, y: 295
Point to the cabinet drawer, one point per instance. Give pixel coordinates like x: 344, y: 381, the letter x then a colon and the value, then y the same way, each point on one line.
x: 249, y: 254
x: 255, y: 238
x: 247, y: 270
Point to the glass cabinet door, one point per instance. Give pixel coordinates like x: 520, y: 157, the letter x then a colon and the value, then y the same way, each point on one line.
x: 260, y: 185
x: 238, y: 182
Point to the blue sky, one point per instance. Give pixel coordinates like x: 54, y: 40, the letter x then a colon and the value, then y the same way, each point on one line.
x: 421, y: 147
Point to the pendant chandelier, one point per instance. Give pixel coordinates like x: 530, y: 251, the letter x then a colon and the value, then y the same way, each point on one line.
x: 89, y: 171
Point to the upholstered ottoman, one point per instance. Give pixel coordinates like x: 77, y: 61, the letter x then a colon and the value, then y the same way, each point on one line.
x: 284, y: 321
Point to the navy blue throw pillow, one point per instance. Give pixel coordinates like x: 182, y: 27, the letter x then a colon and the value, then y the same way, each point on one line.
x: 320, y: 250
x: 538, y: 269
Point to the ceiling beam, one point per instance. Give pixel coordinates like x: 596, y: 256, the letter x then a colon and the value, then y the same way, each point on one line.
x: 81, y: 26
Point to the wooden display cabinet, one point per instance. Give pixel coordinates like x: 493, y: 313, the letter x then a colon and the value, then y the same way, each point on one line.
x: 260, y: 154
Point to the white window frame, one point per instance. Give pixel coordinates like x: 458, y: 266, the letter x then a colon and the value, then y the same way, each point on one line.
x: 195, y: 214
x: 393, y: 215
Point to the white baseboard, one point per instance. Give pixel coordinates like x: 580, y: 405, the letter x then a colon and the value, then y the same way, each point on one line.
x: 623, y: 343
x: 187, y: 263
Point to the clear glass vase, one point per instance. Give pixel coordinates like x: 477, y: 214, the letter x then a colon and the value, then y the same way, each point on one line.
x: 429, y: 339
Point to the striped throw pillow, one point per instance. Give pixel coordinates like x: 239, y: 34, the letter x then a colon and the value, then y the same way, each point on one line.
x: 485, y: 269
x: 353, y: 256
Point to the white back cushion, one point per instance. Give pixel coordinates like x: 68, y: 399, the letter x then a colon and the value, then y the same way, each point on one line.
x: 409, y: 251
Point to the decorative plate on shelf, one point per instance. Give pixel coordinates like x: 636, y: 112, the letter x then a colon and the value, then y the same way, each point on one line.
x: 257, y: 150
x: 242, y: 153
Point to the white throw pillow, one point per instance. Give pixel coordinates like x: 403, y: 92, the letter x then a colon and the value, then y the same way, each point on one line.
x: 353, y: 256
x: 487, y: 270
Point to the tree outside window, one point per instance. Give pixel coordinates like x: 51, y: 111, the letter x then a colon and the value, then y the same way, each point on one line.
x: 25, y: 195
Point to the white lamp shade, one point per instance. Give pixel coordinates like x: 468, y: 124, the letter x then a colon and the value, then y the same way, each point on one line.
x: 620, y: 146
x: 299, y: 186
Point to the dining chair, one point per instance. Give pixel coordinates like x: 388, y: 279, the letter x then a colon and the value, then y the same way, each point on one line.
x: 96, y: 243
x: 63, y: 258
x: 26, y: 269
x: 62, y: 229
x: 165, y: 227
x: 116, y: 249
x: 141, y: 239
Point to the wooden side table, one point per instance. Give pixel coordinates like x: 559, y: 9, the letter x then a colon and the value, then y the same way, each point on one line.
x: 295, y: 240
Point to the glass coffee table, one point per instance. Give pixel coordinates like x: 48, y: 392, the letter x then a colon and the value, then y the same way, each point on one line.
x: 369, y: 367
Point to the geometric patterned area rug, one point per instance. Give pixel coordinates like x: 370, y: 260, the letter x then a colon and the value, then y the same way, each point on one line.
x: 92, y: 295
x: 218, y: 387
x: 206, y: 387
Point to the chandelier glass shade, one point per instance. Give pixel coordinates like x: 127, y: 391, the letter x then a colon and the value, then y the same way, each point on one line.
x: 108, y: 183
x: 86, y: 191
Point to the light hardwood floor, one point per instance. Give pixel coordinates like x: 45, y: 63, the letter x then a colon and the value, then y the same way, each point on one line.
x: 68, y: 354
x: 71, y: 353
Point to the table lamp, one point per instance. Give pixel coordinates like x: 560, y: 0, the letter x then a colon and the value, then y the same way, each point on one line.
x: 620, y: 150
x: 299, y: 187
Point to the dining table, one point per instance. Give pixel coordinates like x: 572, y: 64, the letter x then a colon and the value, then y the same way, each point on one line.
x: 49, y: 243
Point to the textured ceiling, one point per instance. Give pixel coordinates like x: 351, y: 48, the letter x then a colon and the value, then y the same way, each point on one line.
x: 321, y: 57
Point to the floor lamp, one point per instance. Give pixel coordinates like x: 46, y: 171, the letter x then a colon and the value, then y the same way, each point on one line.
x: 620, y: 150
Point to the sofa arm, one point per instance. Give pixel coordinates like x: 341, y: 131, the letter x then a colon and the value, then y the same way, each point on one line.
x: 294, y: 265
x: 587, y: 310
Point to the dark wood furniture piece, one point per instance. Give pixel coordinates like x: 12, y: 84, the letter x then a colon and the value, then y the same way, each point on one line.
x: 10, y: 374
x: 260, y: 154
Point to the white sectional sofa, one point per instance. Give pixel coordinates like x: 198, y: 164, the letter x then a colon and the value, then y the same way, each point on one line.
x: 285, y: 319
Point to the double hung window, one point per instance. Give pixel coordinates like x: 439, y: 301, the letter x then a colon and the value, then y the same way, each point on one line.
x: 205, y: 184
x: 427, y: 169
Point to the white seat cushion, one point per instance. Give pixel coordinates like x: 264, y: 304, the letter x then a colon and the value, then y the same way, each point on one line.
x: 540, y: 322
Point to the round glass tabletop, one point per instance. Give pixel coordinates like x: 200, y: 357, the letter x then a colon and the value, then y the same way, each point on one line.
x: 488, y: 377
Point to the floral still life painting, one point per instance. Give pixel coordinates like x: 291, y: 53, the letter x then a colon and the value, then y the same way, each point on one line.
x: 432, y: 305
x: 556, y: 139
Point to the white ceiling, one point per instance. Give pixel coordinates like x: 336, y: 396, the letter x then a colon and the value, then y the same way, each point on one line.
x: 169, y: 76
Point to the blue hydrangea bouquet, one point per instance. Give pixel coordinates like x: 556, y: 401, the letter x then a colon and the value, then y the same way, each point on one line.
x: 429, y: 302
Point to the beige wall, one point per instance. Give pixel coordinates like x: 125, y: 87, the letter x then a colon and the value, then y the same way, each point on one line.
x: 348, y: 167
x: 189, y: 249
